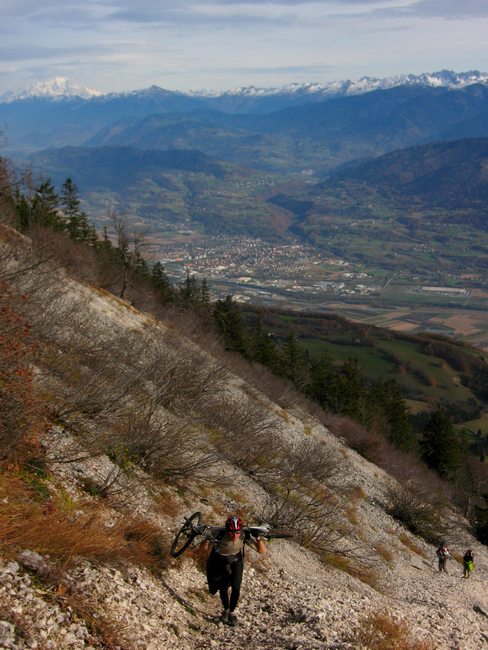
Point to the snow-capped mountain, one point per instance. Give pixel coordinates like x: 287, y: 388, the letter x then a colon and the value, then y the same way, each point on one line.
x: 60, y: 87
x: 55, y: 88
x: 441, y: 79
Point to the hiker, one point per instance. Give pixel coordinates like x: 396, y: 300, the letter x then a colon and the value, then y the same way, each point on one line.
x: 225, y: 563
x: 443, y: 553
x: 468, y: 563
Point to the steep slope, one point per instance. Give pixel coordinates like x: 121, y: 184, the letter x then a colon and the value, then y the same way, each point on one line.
x: 103, y: 363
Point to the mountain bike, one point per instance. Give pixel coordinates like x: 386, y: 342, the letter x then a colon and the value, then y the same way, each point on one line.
x: 193, y: 527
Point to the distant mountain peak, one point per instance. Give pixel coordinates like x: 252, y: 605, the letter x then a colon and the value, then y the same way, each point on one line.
x: 61, y: 88
x: 442, y: 78
x: 55, y: 87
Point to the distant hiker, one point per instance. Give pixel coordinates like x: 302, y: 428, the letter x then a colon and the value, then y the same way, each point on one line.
x: 443, y: 554
x: 225, y: 563
x: 468, y: 563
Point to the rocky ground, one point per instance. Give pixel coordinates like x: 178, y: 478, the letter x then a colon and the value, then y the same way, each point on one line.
x: 290, y: 599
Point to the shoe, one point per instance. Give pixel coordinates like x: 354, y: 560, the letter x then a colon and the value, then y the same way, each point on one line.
x: 232, y: 619
x: 225, y: 616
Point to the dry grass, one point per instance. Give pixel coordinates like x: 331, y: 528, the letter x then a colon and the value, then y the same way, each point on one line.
x: 384, y: 551
x: 359, y: 570
x: 380, y: 631
x: 410, y: 543
x: 28, y: 520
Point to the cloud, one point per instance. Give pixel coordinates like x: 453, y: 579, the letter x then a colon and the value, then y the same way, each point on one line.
x: 451, y: 8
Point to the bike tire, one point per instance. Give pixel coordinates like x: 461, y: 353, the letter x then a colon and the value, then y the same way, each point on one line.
x: 185, y: 536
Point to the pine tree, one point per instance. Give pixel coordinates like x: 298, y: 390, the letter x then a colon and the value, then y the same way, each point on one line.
x: 265, y: 350
x: 71, y: 208
x: 386, y: 397
x: 441, y: 446
x: 228, y: 318
x: 45, y: 206
x: 160, y: 281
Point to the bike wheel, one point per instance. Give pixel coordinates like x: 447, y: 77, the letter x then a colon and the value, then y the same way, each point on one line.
x: 186, y: 534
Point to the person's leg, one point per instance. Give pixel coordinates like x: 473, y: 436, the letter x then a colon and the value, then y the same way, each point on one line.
x: 214, y: 572
x: 224, y: 596
x: 235, y: 583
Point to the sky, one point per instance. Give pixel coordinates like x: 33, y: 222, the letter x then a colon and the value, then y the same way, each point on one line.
x: 120, y: 45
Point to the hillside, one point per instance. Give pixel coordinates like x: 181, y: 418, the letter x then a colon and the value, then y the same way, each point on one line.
x: 148, y: 420
x: 166, y: 190
x: 419, y: 213
x: 448, y: 176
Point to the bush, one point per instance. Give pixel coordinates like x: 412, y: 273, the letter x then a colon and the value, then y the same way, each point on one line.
x: 245, y: 433
x: 21, y: 411
x: 418, y: 512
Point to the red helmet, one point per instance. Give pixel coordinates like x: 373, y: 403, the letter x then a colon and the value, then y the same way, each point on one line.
x: 233, y: 524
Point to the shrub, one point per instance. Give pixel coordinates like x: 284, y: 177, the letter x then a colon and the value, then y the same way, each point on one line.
x: 21, y: 411
x: 245, y: 433
x: 418, y: 512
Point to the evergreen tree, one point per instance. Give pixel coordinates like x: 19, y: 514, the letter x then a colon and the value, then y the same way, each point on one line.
x: 388, y: 399
x: 441, y: 446
x: 71, y: 208
x: 228, y: 318
x: 293, y: 362
x: 205, y: 294
x: 160, y: 281
x: 323, y: 385
x: 24, y: 213
x: 45, y: 206
x: 265, y: 350
x: 189, y: 288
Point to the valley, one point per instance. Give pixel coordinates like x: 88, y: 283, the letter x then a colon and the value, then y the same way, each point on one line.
x: 300, y: 277
x: 370, y: 205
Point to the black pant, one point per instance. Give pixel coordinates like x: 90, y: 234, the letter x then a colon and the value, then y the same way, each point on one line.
x: 224, y: 572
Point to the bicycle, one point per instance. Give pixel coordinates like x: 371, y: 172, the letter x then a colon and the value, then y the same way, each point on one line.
x: 193, y: 527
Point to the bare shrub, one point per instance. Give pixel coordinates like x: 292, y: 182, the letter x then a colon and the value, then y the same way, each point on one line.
x: 170, y: 449
x: 418, y: 511
x: 369, y: 445
x: 316, y: 518
x: 21, y: 411
x: 245, y: 433
x: 183, y: 379
x: 313, y: 459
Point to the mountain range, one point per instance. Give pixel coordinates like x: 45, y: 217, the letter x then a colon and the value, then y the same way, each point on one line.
x: 317, y: 136
x: 61, y: 87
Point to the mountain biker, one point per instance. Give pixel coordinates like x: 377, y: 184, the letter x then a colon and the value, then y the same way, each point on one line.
x: 443, y: 553
x: 468, y: 563
x: 225, y: 563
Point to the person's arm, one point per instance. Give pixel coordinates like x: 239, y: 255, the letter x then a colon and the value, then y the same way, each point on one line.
x: 206, y: 547
x: 260, y: 545
x: 257, y: 543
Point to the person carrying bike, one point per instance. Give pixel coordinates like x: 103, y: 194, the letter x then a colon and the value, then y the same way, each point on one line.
x: 225, y: 563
